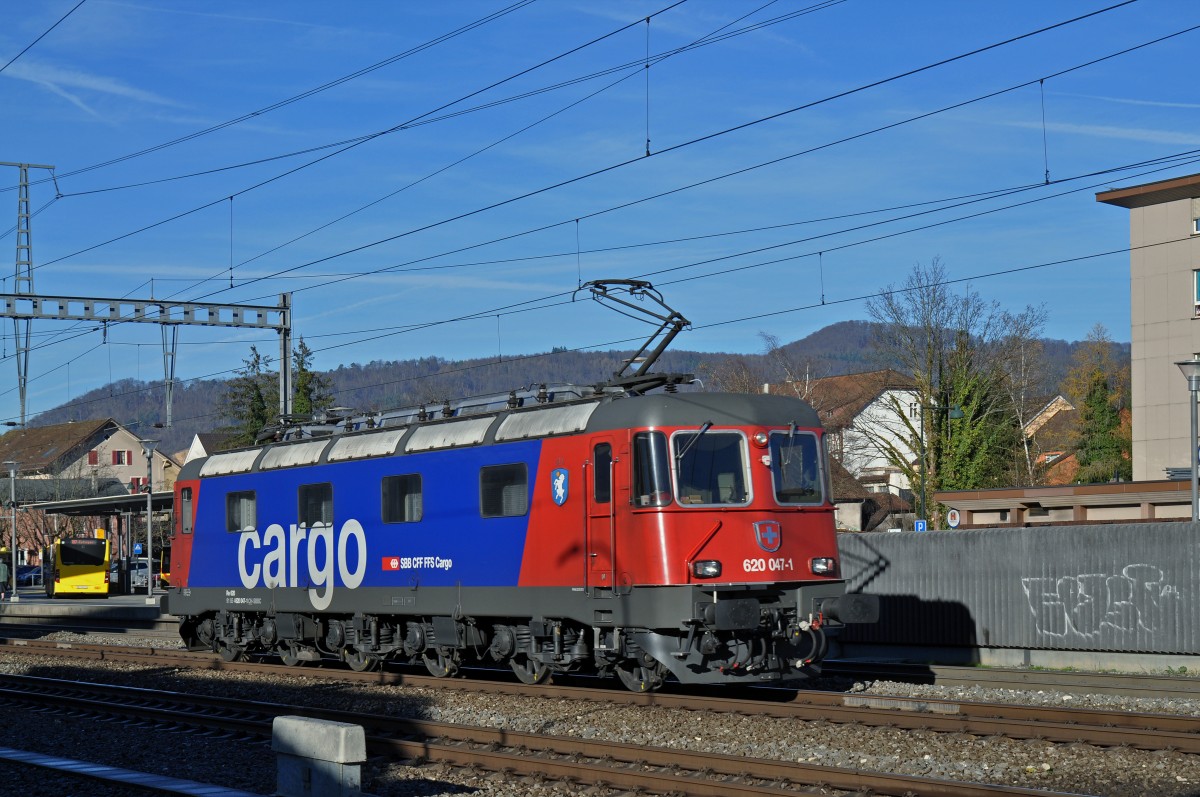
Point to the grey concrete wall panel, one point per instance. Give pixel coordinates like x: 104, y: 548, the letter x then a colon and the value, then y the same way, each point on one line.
x: 1109, y: 588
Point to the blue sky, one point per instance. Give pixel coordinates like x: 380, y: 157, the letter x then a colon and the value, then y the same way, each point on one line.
x: 455, y: 212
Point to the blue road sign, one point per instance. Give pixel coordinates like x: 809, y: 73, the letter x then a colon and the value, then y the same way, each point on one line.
x: 920, y: 525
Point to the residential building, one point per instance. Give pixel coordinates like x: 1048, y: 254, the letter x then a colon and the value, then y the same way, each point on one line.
x: 864, y: 415
x: 1164, y: 290
x: 84, y: 459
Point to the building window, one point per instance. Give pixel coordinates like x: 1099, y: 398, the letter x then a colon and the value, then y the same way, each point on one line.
x: 402, y: 501
x: 503, y: 490
x: 1196, y: 289
x: 913, y: 409
x: 316, y: 504
x: 93, y: 457
x: 122, y: 457
x: 1195, y: 226
x: 239, y: 511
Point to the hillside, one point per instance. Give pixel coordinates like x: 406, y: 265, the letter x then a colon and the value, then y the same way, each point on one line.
x: 840, y: 348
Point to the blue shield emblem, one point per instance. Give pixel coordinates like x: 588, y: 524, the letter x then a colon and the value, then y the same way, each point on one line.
x: 768, y: 534
x: 558, y: 485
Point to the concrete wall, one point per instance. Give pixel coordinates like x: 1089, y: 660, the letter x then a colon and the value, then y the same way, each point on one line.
x: 1129, y: 587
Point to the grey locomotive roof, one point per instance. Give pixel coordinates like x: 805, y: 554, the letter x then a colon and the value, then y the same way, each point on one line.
x: 686, y: 409
x: 596, y: 414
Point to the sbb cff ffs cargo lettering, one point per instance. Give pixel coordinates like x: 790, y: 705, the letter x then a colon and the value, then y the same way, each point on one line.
x: 651, y: 536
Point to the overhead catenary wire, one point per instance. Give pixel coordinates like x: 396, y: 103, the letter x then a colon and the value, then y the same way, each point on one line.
x: 29, y: 46
x: 304, y: 94
x: 724, y: 322
x: 725, y: 175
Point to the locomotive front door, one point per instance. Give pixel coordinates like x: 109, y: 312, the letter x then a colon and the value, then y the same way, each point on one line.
x: 601, y: 529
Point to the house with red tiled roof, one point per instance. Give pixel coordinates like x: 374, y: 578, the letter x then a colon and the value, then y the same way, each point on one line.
x: 81, y: 459
x: 87, y: 450
x: 863, y: 415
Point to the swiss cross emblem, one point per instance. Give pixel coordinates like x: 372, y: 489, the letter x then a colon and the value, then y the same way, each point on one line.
x: 391, y: 563
x: 768, y: 535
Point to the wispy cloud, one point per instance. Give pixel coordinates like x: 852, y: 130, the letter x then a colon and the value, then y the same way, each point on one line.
x: 1143, y: 134
x: 66, y: 81
x: 1129, y: 100
x: 165, y: 9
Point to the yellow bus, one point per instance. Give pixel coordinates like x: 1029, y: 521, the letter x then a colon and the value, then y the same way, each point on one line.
x: 77, y: 566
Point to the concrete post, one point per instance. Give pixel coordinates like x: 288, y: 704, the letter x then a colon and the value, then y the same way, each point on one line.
x: 318, y: 758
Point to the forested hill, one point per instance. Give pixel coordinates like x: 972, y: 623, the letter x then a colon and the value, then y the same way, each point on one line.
x: 837, y: 349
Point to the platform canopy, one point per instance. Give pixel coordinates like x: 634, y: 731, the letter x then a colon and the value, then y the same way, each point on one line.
x: 107, y: 505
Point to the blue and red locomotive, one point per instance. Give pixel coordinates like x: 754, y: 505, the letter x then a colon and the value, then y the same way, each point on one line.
x: 607, y: 529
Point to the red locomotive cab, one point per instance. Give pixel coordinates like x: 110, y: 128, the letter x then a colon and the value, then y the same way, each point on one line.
x: 713, y: 505
x: 186, y: 494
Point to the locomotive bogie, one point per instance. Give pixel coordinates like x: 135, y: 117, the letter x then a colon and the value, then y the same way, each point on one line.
x: 647, y: 537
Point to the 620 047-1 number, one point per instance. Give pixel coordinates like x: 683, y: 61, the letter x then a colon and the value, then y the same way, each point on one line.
x: 765, y: 565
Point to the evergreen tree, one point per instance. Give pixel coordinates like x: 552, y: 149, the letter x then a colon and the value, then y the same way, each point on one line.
x: 249, y: 399
x: 1097, y: 385
x: 1102, y: 453
x: 312, y: 391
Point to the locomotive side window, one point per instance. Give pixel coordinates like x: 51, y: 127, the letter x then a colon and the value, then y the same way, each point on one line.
x: 602, y: 457
x: 402, y: 499
x: 240, y: 511
x: 503, y: 490
x: 651, y: 469
x: 316, y: 504
x: 185, y: 514
x: 710, y: 468
x: 795, y: 468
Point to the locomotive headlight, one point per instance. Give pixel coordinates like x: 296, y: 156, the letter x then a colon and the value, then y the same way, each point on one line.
x: 825, y: 565
x: 760, y: 439
x: 707, y: 568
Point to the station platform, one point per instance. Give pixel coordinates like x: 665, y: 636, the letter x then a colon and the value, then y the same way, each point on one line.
x: 121, y: 611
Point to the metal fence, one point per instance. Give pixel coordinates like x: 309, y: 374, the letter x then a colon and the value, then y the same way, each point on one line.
x: 1109, y: 588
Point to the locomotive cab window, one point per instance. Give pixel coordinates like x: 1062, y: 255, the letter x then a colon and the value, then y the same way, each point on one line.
x: 402, y: 499
x: 796, y: 468
x: 240, y: 511
x: 651, y: 470
x: 316, y: 504
x: 710, y: 468
x: 503, y: 490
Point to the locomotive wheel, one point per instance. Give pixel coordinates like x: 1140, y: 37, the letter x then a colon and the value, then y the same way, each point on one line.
x: 289, y: 654
x: 639, y: 678
x: 439, y: 664
x: 528, y: 670
x: 231, y: 652
x: 361, y: 661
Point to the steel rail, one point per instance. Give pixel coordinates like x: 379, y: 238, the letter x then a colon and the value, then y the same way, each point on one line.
x: 1129, y: 685
x: 590, y: 761
x: 1141, y: 730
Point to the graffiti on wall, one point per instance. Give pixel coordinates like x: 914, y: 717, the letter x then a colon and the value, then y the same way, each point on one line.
x: 1139, y: 599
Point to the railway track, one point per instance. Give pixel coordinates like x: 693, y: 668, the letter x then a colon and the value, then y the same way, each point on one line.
x: 1129, y: 685
x: 1146, y: 731
x: 586, y: 763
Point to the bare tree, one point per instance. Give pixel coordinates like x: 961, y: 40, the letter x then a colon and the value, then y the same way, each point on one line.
x: 962, y: 353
